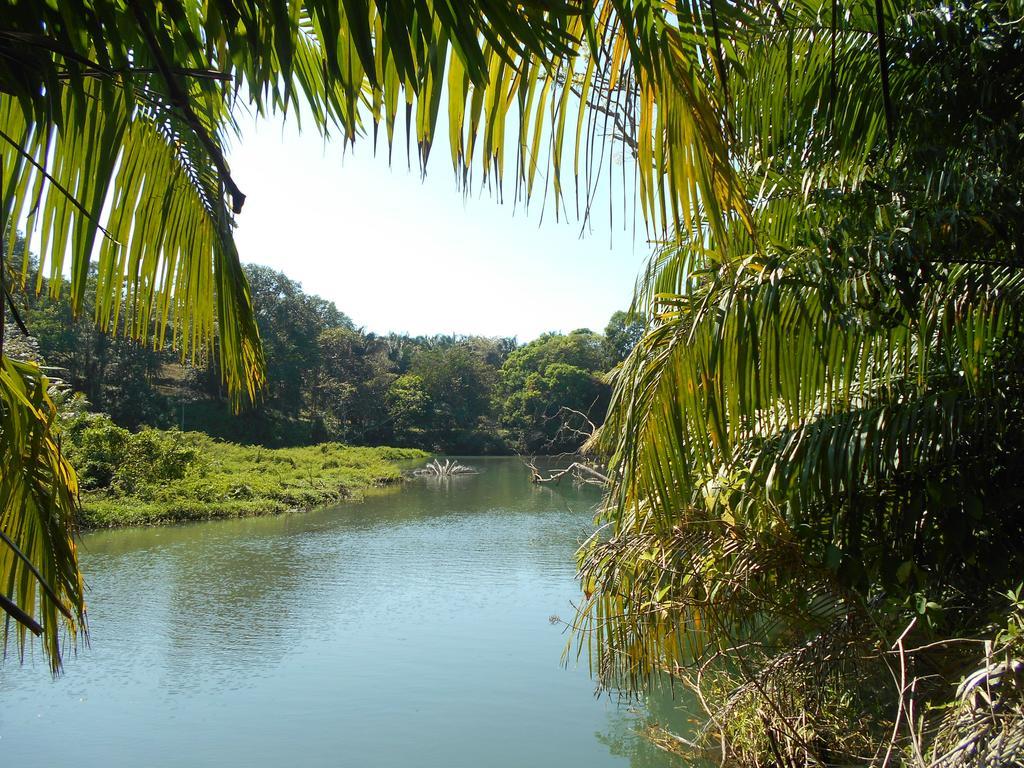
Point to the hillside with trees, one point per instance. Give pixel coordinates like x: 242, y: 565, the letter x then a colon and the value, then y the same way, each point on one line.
x: 331, y: 381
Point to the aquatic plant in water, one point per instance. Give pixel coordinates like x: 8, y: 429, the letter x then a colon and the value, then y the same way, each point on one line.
x: 448, y: 469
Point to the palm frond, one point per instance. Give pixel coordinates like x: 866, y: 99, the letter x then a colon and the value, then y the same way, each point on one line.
x: 837, y: 381
x: 41, y: 585
x: 133, y: 189
x: 88, y: 86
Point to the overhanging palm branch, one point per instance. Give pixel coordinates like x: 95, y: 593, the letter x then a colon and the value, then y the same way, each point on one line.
x: 41, y: 587
x: 769, y: 452
x: 824, y: 411
x: 92, y: 88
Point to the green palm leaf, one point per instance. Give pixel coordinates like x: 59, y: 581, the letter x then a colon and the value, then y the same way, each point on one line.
x: 826, y: 398
x: 41, y: 585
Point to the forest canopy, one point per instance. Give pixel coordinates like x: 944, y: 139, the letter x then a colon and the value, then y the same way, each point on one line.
x: 331, y: 381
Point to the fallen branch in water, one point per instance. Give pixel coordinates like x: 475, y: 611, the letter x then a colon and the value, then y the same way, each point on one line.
x: 579, y: 471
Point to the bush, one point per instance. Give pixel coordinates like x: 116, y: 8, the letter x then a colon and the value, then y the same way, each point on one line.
x: 96, y: 447
x: 107, y: 456
x: 152, y: 456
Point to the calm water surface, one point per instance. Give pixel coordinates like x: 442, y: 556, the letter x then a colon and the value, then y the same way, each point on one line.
x: 411, y: 629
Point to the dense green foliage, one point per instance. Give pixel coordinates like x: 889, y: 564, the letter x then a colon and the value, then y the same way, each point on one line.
x: 817, y: 454
x: 331, y: 381
x: 550, y: 390
x: 815, y: 447
x: 160, y: 476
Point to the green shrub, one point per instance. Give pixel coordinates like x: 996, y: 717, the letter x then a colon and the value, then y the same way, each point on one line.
x: 152, y: 456
x: 109, y: 457
x: 96, y: 447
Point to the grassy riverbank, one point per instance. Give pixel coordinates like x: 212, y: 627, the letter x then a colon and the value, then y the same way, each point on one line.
x: 156, y: 476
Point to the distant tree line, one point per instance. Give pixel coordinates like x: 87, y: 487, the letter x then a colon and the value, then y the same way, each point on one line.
x: 330, y: 380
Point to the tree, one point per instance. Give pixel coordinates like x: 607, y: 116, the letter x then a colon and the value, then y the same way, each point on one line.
x: 117, y: 375
x: 816, y: 443
x: 550, y: 387
x: 582, y: 349
x: 621, y: 335
x: 409, y: 408
x: 353, y: 377
x: 460, y: 387
x: 290, y: 323
x: 550, y: 413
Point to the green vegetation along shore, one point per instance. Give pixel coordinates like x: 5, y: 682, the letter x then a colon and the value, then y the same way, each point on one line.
x: 331, y: 381
x: 166, y: 476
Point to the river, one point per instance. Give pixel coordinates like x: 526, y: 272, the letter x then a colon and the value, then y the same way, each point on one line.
x: 417, y: 628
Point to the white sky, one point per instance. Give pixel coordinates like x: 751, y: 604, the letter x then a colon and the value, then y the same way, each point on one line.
x: 399, y: 254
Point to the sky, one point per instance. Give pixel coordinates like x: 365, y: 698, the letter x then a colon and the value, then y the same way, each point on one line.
x: 399, y: 253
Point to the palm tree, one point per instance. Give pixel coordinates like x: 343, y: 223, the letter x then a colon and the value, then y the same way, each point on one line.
x: 817, y: 443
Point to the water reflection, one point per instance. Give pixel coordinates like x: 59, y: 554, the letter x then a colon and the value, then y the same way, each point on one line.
x: 409, y: 629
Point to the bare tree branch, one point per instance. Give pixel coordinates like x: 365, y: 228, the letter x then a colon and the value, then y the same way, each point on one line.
x: 580, y: 473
